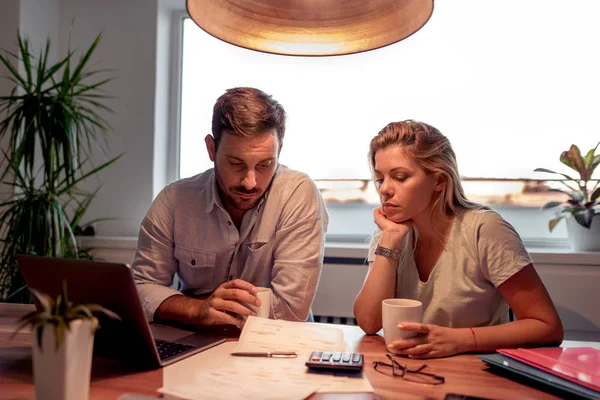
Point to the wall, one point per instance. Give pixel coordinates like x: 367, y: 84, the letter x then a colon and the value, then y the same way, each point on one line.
x: 36, y: 23
x: 128, y: 46
x: 39, y: 22
x: 9, y: 27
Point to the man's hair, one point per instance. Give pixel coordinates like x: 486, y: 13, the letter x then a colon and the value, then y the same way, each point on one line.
x: 246, y: 111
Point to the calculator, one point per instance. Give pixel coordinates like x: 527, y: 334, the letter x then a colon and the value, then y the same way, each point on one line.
x: 335, y: 361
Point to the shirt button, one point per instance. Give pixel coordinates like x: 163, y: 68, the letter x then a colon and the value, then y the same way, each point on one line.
x: 230, y: 277
x: 193, y: 262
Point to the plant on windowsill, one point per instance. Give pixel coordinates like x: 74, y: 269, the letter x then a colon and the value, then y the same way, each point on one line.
x: 582, y: 207
x: 50, y: 126
x: 62, y: 341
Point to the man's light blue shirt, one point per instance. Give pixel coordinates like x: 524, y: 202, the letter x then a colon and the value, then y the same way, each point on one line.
x: 280, y: 243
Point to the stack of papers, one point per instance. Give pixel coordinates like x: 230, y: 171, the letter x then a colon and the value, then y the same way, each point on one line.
x: 215, y: 374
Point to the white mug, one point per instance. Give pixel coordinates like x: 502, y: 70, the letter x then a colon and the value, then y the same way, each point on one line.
x: 264, y: 295
x: 395, y: 311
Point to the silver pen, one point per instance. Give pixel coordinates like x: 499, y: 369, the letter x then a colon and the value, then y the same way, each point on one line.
x: 274, y: 354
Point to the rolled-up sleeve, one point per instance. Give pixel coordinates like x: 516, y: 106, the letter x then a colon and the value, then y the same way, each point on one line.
x: 154, y: 266
x: 298, y: 252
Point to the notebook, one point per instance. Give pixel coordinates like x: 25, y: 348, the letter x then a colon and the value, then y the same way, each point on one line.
x: 577, y: 364
x: 566, y: 387
x: 111, y: 285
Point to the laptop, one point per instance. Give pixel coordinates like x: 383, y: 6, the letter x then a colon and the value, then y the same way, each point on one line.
x: 111, y: 285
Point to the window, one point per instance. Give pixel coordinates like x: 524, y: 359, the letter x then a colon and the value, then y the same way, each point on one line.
x: 511, y: 83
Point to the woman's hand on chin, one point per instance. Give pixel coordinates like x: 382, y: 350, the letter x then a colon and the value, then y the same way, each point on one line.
x: 389, y: 226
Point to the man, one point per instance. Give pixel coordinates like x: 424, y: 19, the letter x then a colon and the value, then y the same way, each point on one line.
x: 248, y: 222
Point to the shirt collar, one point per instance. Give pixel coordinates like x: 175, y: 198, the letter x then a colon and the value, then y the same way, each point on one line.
x: 211, y: 192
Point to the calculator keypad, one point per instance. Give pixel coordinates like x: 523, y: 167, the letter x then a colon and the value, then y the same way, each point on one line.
x: 336, y: 360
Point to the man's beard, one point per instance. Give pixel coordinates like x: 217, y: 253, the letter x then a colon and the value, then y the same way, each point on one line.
x: 228, y: 197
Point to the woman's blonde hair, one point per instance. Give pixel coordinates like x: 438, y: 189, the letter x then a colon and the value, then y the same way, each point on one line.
x: 432, y: 151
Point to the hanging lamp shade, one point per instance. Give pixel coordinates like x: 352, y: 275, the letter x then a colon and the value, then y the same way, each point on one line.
x: 310, y: 27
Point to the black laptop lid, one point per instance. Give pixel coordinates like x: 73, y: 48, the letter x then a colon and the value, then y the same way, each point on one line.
x: 110, y: 285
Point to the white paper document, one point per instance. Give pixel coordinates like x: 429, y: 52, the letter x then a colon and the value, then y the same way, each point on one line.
x: 215, y: 374
x: 217, y: 387
x: 260, y: 334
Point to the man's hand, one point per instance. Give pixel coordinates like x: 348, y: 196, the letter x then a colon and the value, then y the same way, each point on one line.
x: 227, y: 304
x: 431, y: 341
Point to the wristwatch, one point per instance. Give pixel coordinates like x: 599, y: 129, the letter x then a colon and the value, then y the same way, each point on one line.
x: 389, y: 253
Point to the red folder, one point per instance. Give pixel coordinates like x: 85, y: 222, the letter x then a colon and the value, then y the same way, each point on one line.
x: 577, y: 364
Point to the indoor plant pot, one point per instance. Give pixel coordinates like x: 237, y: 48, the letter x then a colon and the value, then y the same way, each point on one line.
x: 581, y: 238
x: 63, y: 372
x: 582, y: 207
x: 62, y: 345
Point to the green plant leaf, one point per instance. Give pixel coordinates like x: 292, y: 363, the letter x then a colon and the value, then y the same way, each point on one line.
x: 88, y: 174
x: 58, y: 314
x: 551, y: 204
x: 52, y: 123
x: 552, y: 172
x: 26, y: 320
x: 45, y: 301
x: 64, y: 294
x: 587, y: 160
x: 595, y: 195
x: 60, y: 331
x: 584, y: 218
x: 553, y: 222
x: 593, y: 165
x: 572, y: 159
x: 63, y: 108
x: 99, y: 309
x: 39, y: 333
x: 575, y: 196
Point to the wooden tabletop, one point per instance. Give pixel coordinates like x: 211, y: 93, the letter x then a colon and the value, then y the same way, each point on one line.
x: 465, y: 374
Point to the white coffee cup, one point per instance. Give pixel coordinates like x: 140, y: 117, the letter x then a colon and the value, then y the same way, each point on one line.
x: 264, y: 294
x: 395, y: 311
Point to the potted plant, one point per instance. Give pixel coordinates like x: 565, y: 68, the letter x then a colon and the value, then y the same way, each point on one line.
x: 50, y: 124
x: 62, y: 343
x: 582, y: 206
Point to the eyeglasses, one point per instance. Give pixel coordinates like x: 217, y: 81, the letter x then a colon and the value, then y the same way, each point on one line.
x: 415, y: 375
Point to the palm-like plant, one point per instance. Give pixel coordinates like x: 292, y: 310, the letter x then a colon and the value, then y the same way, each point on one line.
x: 583, y: 202
x: 52, y: 125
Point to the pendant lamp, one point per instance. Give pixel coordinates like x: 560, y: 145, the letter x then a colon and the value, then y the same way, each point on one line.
x: 310, y: 27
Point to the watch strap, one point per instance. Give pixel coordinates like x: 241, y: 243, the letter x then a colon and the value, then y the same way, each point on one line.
x: 386, y: 252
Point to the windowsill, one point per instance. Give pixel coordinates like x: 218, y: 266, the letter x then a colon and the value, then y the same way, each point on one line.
x: 540, y: 255
x: 354, y: 248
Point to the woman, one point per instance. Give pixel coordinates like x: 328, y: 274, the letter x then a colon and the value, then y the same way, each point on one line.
x: 464, y: 262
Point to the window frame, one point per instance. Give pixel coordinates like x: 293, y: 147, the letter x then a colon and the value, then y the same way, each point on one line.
x: 356, y: 240
x: 175, y: 77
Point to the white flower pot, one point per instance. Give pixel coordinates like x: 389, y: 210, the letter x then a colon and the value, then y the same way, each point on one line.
x: 63, y: 374
x: 584, y: 239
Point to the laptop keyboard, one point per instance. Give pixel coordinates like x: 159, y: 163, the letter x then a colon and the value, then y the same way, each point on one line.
x: 169, y: 349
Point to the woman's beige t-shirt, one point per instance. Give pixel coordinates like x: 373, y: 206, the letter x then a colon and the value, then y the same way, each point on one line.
x: 483, y: 251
